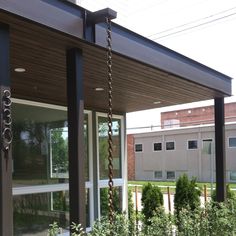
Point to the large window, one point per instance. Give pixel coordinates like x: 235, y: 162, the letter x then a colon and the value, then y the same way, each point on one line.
x: 117, y: 198
x: 39, y: 145
x: 40, y: 167
x: 118, y: 161
x: 103, y: 147
x: 34, y: 212
x: 232, y: 142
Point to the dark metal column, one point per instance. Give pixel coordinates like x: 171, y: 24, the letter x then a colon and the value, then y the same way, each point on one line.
x: 6, y: 214
x: 75, y: 100
x: 220, y: 150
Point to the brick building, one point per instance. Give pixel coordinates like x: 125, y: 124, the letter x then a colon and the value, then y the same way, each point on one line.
x: 171, y: 123
x: 195, y: 116
x: 131, y: 157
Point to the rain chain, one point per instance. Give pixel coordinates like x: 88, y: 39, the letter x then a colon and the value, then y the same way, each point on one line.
x: 7, y: 121
x: 109, y: 115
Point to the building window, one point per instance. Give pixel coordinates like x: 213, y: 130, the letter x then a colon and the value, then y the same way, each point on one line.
x: 232, y: 142
x: 157, y: 174
x: 173, y: 123
x: 138, y: 147
x: 232, y: 176
x: 207, y: 146
x: 170, y: 145
x: 40, y: 168
x: 170, y: 175
x: 103, y: 147
x: 192, y: 144
x: 157, y: 146
x: 117, y: 194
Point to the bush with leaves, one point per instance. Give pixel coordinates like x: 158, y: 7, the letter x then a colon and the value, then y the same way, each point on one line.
x: 192, y: 222
x: 222, y: 218
x: 152, y: 199
x: 216, y: 219
x: 160, y: 224
x: 131, y: 214
x: 54, y: 229
x: 229, y: 194
x: 104, y: 201
x: 103, y: 227
x: 187, y: 194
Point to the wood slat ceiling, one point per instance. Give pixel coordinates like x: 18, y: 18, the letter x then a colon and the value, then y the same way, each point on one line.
x: 136, y: 86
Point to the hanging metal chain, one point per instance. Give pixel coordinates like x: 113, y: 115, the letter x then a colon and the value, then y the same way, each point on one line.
x: 7, y: 121
x: 109, y: 114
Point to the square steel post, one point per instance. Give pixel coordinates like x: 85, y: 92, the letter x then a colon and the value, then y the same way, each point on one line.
x: 6, y: 212
x: 220, y: 150
x: 75, y: 101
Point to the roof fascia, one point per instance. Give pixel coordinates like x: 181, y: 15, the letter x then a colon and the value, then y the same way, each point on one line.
x: 71, y: 19
x: 149, y: 52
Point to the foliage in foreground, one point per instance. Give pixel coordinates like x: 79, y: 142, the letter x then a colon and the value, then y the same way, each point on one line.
x: 229, y: 194
x: 215, y: 219
x: 152, y: 199
x: 187, y: 194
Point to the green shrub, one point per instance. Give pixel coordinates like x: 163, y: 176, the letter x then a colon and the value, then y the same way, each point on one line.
x: 104, y: 201
x: 131, y: 214
x: 103, y: 227
x: 216, y: 219
x: 152, y: 199
x: 160, y: 224
x: 229, y: 194
x: 187, y: 194
x: 192, y: 222
x: 54, y: 229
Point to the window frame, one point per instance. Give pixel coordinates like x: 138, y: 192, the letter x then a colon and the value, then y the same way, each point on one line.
x: 230, y: 137
x: 50, y: 188
x: 171, y: 141
x: 153, y: 145
x: 161, y: 174
x: 174, y: 174
x: 117, y: 182
x: 135, y: 147
x: 230, y: 180
x: 212, y: 143
x: 190, y: 140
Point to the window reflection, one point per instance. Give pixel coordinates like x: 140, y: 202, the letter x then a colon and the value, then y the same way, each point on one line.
x: 117, y: 200
x: 103, y: 147
x: 34, y: 212
x: 40, y: 145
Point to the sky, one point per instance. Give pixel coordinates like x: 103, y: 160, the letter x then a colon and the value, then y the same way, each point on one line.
x: 204, y: 30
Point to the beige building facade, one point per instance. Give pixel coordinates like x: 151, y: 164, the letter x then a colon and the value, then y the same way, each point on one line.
x: 166, y: 154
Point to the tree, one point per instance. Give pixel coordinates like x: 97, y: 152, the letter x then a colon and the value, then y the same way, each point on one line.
x: 187, y: 194
x: 152, y: 199
x: 229, y: 194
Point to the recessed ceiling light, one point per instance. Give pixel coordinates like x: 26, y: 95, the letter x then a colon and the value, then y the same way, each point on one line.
x: 19, y: 70
x: 157, y: 102
x: 99, y: 89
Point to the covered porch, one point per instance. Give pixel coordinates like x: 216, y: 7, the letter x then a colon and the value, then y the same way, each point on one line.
x: 53, y: 61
